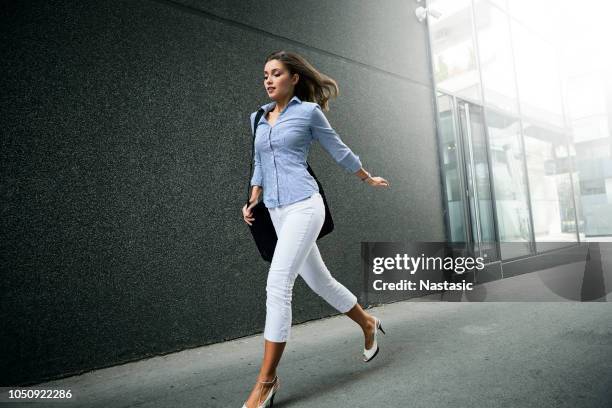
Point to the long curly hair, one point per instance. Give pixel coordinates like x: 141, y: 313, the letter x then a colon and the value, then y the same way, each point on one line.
x: 313, y: 86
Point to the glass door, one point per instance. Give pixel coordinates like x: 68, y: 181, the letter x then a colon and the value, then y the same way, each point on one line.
x: 479, y: 198
x: 471, y: 216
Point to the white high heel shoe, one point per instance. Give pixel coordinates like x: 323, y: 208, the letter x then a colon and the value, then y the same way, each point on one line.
x: 369, y: 354
x: 269, y: 401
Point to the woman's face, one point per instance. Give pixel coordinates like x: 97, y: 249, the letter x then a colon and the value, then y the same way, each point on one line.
x: 277, y: 81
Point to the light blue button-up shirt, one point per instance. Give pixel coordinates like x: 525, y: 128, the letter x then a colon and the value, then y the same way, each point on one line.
x: 281, y: 151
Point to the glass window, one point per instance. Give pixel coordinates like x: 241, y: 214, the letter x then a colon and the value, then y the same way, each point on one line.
x: 589, y: 116
x: 586, y: 96
x: 453, y: 51
x: 539, y: 16
x: 592, y: 187
x: 511, y: 203
x: 550, y: 188
x: 499, y: 3
x: 539, y: 86
x: 495, y: 49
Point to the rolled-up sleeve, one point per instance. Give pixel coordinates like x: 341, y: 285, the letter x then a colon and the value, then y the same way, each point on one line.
x: 331, y: 142
x: 257, y: 179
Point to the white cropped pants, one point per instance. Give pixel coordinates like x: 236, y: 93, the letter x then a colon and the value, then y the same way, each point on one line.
x: 297, y: 227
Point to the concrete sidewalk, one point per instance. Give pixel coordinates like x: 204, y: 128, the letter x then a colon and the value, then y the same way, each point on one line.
x: 435, y: 354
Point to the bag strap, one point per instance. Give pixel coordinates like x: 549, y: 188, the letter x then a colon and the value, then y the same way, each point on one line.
x: 258, y: 116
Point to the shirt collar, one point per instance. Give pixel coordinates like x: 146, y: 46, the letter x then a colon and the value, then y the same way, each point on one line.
x: 269, y: 106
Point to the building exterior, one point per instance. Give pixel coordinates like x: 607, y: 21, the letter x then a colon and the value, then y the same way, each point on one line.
x: 126, y: 145
x: 125, y: 167
x: 525, y: 146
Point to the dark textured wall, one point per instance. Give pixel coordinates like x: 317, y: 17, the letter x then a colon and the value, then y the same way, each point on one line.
x: 125, y: 153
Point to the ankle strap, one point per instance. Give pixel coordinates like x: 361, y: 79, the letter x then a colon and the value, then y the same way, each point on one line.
x: 269, y: 382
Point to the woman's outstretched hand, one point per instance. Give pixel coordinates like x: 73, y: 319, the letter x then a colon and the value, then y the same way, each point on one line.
x: 247, y: 214
x: 378, y: 182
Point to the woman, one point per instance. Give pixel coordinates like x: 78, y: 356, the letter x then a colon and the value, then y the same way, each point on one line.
x: 290, y: 123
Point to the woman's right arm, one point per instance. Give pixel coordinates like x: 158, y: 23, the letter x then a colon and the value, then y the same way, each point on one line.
x: 255, y: 192
x: 257, y: 179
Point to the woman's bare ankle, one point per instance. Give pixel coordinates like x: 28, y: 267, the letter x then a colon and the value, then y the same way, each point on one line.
x: 371, y: 323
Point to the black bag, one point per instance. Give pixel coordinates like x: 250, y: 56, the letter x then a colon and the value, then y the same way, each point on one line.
x: 262, y: 228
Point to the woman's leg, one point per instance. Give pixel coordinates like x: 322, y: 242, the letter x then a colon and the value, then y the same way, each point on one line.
x: 297, y: 226
x: 300, y: 224
x: 366, y: 321
x: 319, y: 279
x: 272, y: 354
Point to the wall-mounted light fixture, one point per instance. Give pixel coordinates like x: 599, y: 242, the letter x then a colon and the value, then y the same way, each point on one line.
x: 422, y: 12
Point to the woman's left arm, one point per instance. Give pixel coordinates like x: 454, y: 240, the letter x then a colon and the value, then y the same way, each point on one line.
x: 333, y: 144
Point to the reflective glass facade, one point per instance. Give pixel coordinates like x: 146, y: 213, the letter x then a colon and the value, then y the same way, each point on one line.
x: 524, y: 160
